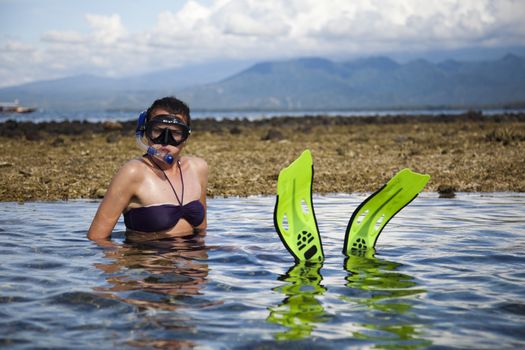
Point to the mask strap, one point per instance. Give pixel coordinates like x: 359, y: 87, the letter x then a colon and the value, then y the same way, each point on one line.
x: 141, y: 123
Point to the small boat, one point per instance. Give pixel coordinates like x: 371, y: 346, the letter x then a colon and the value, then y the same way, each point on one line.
x: 14, y: 107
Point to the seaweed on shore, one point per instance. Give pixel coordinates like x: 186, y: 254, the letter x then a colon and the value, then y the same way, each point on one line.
x: 468, y: 152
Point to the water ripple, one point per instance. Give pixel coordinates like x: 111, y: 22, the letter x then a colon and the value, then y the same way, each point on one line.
x: 447, y: 273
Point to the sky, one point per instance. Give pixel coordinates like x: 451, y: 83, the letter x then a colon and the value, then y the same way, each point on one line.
x: 48, y: 39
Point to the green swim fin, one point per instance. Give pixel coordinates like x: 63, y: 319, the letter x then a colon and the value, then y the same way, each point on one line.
x: 293, y: 216
x: 369, y: 219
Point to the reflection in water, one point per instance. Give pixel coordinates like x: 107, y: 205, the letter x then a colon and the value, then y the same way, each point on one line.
x: 300, y: 310
x: 460, y: 282
x: 382, y: 291
x: 158, y: 276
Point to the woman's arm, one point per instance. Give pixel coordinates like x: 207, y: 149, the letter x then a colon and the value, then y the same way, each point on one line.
x: 120, y: 191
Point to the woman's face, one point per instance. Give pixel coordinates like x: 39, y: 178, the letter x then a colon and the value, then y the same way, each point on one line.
x: 168, y: 132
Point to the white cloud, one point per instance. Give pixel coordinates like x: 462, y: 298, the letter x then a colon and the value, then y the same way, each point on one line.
x: 12, y: 46
x: 67, y: 37
x: 252, y: 18
x: 189, y: 19
x: 252, y: 29
x: 106, y: 30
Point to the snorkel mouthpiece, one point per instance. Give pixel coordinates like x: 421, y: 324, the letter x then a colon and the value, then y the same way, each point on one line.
x: 139, y: 137
x: 164, y: 156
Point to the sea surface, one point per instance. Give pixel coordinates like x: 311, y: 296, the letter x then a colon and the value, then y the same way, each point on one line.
x: 446, y: 274
x: 99, y: 116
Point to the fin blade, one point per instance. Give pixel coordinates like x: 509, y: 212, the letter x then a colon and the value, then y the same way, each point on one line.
x: 372, y: 215
x: 300, y: 234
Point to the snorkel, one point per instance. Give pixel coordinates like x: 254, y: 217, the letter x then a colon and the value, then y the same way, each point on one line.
x: 139, y: 137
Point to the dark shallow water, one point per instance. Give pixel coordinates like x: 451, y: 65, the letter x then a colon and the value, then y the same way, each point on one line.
x: 447, y: 273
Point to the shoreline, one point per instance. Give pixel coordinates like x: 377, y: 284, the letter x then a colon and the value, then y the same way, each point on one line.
x: 468, y: 152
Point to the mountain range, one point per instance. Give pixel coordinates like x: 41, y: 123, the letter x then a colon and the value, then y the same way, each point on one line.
x: 296, y: 84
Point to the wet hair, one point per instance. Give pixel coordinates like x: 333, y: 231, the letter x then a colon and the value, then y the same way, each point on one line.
x: 172, y: 105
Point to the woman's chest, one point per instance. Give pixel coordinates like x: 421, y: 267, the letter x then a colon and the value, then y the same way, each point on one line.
x: 158, y: 190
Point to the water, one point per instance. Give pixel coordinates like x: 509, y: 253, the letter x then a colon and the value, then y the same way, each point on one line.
x: 98, y: 116
x: 447, y: 273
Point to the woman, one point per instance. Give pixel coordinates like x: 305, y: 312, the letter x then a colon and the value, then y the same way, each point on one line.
x: 162, y: 194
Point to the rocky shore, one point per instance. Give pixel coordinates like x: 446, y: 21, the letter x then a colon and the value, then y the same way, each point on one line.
x: 467, y: 152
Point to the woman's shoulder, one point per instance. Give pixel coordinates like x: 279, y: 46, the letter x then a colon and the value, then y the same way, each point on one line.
x: 197, y: 163
x: 134, y: 169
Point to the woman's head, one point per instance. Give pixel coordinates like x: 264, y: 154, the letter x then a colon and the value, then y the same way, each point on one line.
x: 172, y: 106
x: 165, y: 124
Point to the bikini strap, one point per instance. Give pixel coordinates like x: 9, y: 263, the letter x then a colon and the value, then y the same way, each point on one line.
x: 181, y: 200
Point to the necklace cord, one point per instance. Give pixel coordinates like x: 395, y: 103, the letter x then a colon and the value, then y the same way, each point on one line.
x: 181, y: 200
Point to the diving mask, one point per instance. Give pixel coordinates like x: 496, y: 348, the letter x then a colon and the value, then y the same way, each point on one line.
x: 167, y: 130
x: 178, y: 133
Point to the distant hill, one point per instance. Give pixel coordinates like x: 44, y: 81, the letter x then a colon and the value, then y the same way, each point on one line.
x: 378, y: 82
x: 304, y: 83
x: 88, y: 92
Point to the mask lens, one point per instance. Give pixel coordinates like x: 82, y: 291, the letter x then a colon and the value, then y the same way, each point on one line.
x: 177, y: 134
x: 167, y: 131
x: 155, y: 132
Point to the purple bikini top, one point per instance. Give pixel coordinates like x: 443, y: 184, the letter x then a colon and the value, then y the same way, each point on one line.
x: 163, y: 217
